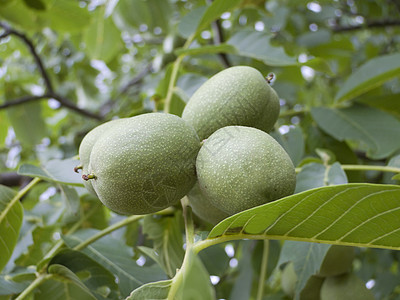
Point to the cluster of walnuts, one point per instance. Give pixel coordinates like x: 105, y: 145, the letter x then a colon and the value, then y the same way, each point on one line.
x: 219, y: 153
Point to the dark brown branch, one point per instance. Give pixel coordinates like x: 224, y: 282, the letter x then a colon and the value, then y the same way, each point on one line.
x: 13, y: 179
x: 51, y: 94
x: 60, y: 99
x: 32, y: 50
x: 218, y: 39
x: 367, y: 25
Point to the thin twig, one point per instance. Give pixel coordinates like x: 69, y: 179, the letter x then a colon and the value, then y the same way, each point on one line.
x: 367, y: 25
x: 219, y: 39
x: 32, y: 50
x: 60, y: 99
x: 50, y: 94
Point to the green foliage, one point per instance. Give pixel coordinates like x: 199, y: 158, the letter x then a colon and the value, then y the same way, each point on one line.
x: 69, y: 66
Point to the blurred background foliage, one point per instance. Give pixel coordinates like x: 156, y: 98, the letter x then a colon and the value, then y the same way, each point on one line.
x: 67, y: 66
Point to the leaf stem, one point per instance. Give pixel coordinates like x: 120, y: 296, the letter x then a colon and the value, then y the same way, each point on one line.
x: 371, y: 168
x: 107, y: 230
x: 38, y: 281
x: 74, y: 228
x: 174, y: 75
x: 18, y: 196
x: 263, y: 272
x: 292, y: 112
x: 189, y: 229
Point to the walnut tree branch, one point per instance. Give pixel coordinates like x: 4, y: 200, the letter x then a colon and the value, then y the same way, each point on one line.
x: 47, y: 82
x: 218, y: 39
x: 60, y: 99
x: 367, y: 25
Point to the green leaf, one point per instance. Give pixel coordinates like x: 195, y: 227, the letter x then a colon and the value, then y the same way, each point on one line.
x: 3, y: 128
x: 116, y: 257
x: 154, y: 290
x: 214, y: 11
x: 190, y: 82
x: 60, y: 171
x: 256, y: 44
x: 207, y: 49
x: 314, y: 175
x: 26, y: 120
x: 28, y: 123
x: 242, y: 286
x: 215, y: 260
x: 167, y: 240
x: 96, y: 277
x: 102, y: 38
x: 370, y: 75
x: 307, y: 259
x: 396, y: 177
x: 35, y: 4
x: 190, y: 21
x: 71, y: 203
x: 389, y: 103
x: 11, y: 215
x: 9, y: 286
x: 319, y: 64
x: 67, y: 16
x: 195, y: 281
x: 364, y: 215
x: 378, y: 131
x: 64, y: 284
x: 153, y: 13
x: 38, y: 245
x: 292, y: 142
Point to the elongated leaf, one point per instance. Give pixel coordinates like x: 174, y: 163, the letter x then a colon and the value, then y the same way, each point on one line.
x: 314, y: 175
x: 60, y: 171
x: 64, y: 284
x: 293, y: 143
x: 209, y: 49
x: 256, y: 44
x: 363, y: 215
x: 216, y: 9
x: 97, y: 278
x: 65, y: 15
x: 389, y: 103
x: 242, y: 286
x: 307, y: 259
x: 166, y: 235
x: 154, y: 290
x: 102, y: 38
x: 190, y: 21
x: 71, y: 203
x: 11, y: 215
x: 116, y: 257
x: 196, y: 281
x: 370, y: 75
x: 153, y: 13
x: 26, y: 120
x: 378, y: 131
x: 9, y: 286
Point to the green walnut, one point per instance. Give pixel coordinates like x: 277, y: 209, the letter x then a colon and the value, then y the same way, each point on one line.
x: 86, y: 146
x: 203, y: 207
x: 144, y: 164
x: 242, y: 167
x: 345, y: 287
x: 311, y: 290
x: 235, y: 96
x: 338, y: 260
